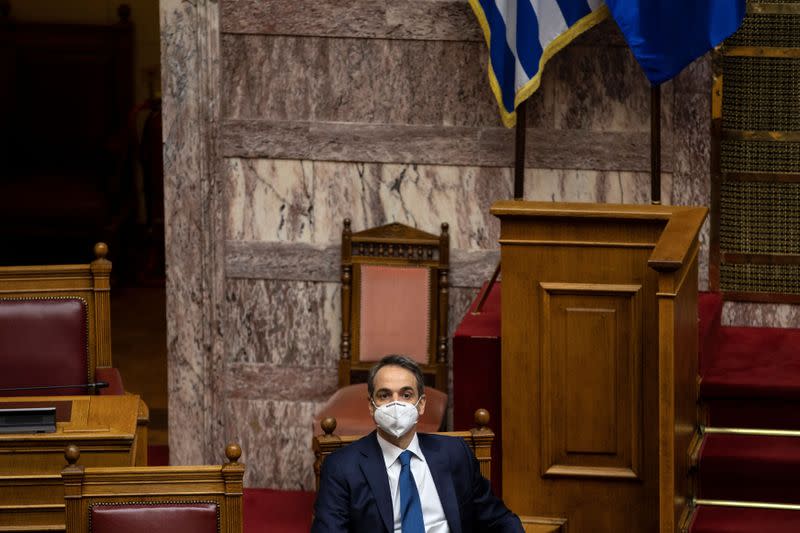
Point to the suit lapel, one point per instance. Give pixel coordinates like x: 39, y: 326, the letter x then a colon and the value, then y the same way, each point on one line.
x: 374, y: 470
x: 439, y: 464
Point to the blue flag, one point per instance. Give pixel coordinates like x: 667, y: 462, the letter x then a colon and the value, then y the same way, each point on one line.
x: 666, y: 35
x: 522, y: 35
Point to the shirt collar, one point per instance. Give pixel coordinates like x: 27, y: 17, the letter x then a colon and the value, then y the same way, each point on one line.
x: 392, y: 452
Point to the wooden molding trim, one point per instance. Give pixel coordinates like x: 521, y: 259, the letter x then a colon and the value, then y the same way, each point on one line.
x: 543, y: 524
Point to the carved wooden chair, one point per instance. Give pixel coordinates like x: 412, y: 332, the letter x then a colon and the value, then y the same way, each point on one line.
x: 394, y: 301
x: 479, y: 440
x: 154, y: 499
x: 55, y: 327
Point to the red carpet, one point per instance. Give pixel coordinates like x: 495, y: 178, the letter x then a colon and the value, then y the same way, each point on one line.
x: 741, y: 520
x: 750, y: 379
x: 755, y: 363
x: 709, y: 312
x: 264, y: 510
x: 754, y: 379
x: 750, y: 468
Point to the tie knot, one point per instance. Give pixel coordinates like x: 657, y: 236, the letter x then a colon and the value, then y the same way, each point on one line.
x: 405, y: 458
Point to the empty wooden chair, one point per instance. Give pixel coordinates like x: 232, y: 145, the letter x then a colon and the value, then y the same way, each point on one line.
x: 55, y: 327
x: 157, y: 499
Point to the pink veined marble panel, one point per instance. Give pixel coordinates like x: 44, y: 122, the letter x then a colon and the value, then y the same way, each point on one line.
x: 395, y: 311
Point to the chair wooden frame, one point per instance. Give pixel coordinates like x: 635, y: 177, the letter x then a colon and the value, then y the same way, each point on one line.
x: 394, y: 245
x: 479, y: 439
x: 219, y: 484
x: 89, y: 282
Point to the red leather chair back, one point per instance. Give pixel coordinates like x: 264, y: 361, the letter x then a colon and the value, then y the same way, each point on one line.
x: 43, y: 341
x: 395, y: 312
x: 154, y: 518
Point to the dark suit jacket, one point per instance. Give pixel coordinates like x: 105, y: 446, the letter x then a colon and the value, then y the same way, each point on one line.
x: 354, y: 489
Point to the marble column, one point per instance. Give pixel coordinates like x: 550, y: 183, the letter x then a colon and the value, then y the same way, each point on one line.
x: 194, y: 242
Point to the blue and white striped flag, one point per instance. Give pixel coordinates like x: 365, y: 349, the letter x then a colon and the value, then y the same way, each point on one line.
x: 522, y: 35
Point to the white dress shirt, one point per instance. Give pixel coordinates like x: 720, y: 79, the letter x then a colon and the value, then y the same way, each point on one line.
x: 432, y: 510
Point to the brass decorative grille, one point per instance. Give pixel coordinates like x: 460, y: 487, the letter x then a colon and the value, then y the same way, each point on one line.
x: 756, y: 156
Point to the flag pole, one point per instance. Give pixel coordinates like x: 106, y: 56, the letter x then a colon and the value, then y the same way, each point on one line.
x: 519, y: 188
x: 519, y: 153
x: 655, y: 144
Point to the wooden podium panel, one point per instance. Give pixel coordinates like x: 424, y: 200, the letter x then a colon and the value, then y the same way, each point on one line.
x: 109, y: 430
x: 599, y: 363
x: 590, y: 384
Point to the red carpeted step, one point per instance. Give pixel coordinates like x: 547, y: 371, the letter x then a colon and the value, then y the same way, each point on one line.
x: 768, y: 413
x: 744, y: 520
x: 751, y: 379
x: 754, y: 379
x: 758, y: 364
x: 750, y: 468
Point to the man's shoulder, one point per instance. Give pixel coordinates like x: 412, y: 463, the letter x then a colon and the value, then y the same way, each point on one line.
x: 350, y: 452
x: 444, y: 442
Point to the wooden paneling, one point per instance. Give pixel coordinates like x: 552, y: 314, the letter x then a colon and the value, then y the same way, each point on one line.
x: 85, y: 488
x: 599, y: 362
x: 108, y: 428
x: 539, y: 524
x: 678, y: 378
x: 591, y: 380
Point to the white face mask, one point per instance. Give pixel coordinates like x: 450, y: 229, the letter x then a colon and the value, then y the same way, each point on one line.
x: 396, y: 418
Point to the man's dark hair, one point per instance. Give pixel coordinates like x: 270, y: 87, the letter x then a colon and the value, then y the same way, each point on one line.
x: 396, y: 360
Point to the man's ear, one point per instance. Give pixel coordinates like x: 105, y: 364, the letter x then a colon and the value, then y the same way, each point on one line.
x: 371, y: 407
x: 421, y: 405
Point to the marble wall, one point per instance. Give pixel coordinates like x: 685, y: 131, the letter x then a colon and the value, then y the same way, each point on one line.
x: 281, y: 119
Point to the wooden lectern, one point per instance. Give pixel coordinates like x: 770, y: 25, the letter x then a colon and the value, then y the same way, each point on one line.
x: 110, y: 431
x: 599, y: 363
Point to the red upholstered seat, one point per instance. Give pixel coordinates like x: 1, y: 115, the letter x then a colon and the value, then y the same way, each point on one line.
x: 350, y: 408
x: 155, y: 518
x: 43, y: 341
x: 55, y: 327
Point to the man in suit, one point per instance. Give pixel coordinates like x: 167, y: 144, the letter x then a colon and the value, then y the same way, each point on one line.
x: 397, y: 480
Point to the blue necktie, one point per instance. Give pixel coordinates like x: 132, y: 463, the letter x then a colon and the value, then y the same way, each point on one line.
x: 410, y: 506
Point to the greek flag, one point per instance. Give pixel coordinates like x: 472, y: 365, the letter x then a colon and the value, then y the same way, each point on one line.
x: 522, y: 35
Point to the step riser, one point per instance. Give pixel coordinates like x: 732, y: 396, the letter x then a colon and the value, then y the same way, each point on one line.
x: 752, y: 413
x: 749, y: 468
x: 751, y: 379
x: 740, y: 520
x: 749, y: 489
